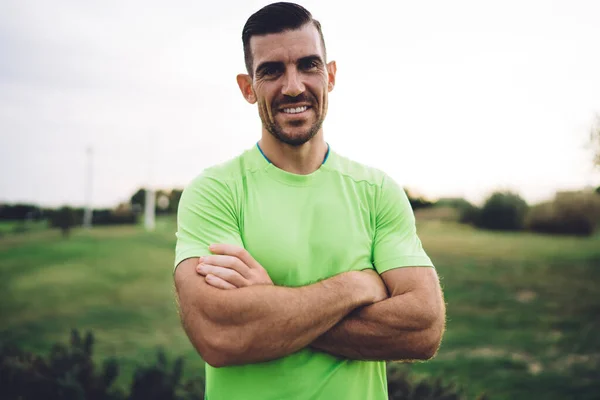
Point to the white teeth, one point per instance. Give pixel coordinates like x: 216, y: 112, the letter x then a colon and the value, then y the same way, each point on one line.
x: 295, y: 110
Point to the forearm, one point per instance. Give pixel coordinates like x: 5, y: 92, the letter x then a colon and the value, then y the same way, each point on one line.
x: 399, y: 328
x: 263, y: 322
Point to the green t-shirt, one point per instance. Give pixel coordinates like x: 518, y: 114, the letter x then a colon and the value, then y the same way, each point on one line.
x: 301, y: 229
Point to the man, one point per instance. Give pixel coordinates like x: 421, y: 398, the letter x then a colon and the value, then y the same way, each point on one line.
x: 299, y: 272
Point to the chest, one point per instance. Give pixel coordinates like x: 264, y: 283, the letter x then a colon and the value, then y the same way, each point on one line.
x: 301, y: 235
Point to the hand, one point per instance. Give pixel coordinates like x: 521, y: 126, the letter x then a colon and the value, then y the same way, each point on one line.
x: 231, y: 267
x: 375, y: 284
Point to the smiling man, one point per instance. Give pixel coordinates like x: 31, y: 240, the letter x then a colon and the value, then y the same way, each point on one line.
x: 299, y: 272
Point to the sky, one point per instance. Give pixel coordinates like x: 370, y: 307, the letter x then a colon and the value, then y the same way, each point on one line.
x: 451, y: 99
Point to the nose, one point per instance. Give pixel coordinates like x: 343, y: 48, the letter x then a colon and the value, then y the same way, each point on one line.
x: 292, y: 85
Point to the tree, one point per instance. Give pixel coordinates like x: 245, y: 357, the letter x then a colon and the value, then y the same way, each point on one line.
x: 503, y: 211
x: 174, y: 200
x: 417, y: 202
x: 138, y: 200
x: 64, y: 218
x: 166, y: 201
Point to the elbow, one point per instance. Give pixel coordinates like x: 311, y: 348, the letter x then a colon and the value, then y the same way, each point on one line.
x: 220, y: 350
x: 430, y: 340
x: 214, y: 357
x: 216, y: 361
x: 429, y: 345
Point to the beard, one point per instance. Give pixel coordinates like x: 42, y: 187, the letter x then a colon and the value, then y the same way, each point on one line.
x: 278, y: 131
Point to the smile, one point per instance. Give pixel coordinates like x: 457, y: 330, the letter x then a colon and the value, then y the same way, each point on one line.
x: 295, y: 110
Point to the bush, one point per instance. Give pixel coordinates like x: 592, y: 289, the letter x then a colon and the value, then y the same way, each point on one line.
x: 503, y: 211
x: 403, y: 386
x: 467, y: 212
x: 110, y: 217
x: 69, y: 373
x: 570, y: 213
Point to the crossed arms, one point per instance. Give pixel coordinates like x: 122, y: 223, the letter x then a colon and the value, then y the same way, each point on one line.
x: 234, y: 315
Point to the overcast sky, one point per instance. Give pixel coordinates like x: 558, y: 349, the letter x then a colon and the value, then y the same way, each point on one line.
x: 453, y: 98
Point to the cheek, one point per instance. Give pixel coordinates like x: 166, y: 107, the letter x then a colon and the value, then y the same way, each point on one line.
x: 263, y: 91
x: 319, y: 87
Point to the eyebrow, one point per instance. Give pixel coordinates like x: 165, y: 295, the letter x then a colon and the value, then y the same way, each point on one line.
x: 312, y: 57
x: 277, y: 64
x: 268, y: 64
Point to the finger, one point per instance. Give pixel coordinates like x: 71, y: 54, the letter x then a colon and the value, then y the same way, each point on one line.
x: 235, y: 251
x: 230, y: 262
x: 226, y: 274
x: 217, y: 282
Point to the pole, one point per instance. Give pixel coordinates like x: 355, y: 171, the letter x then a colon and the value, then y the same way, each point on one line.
x: 87, y: 215
x: 150, y: 209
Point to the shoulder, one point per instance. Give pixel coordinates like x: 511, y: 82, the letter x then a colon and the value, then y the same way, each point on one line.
x: 386, y: 191
x: 226, y: 174
x: 357, y: 171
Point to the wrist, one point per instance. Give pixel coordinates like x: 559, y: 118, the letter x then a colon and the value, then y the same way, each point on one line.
x: 358, y: 288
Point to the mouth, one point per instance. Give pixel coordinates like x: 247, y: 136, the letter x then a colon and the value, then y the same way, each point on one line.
x: 295, y: 111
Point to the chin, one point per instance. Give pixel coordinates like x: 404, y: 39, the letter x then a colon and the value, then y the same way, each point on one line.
x: 297, y: 139
x: 294, y: 135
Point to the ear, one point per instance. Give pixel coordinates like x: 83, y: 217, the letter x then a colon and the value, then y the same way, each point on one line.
x: 245, y: 83
x: 331, y: 70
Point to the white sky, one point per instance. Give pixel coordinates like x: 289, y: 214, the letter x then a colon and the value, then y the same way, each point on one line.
x: 450, y: 98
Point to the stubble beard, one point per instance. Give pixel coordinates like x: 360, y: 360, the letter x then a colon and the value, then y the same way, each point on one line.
x: 278, y: 132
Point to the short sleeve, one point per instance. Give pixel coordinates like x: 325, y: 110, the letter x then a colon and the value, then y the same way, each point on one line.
x: 205, y: 215
x: 396, y: 243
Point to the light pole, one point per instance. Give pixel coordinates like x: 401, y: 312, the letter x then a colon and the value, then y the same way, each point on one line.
x: 150, y: 208
x: 87, y: 215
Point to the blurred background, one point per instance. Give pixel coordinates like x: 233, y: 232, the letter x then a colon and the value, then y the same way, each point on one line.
x: 487, y: 113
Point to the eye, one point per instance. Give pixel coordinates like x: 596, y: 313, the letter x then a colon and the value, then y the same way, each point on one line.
x: 307, y: 65
x: 270, y: 71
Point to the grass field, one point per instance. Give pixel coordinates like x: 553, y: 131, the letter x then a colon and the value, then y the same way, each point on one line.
x: 523, y: 310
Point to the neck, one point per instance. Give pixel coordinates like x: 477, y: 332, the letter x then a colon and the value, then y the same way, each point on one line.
x: 301, y: 160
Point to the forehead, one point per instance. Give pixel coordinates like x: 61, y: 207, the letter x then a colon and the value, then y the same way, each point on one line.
x: 286, y: 46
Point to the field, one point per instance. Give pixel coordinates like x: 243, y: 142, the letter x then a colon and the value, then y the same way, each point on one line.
x: 523, y: 310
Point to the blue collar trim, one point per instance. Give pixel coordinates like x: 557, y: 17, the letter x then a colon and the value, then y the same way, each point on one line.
x: 269, y: 161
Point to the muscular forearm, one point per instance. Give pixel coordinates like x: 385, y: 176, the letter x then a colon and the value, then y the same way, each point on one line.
x: 399, y: 328
x: 264, y: 322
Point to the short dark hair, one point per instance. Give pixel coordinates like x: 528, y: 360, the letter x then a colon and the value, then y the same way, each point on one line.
x: 276, y: 18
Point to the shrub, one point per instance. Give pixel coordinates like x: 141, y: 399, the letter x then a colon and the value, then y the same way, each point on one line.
x: 467, y: 212
x: 161, y: 382
x: 69, y: 373
x: 570, y: 213
x: 503, y: 211
x: 111, y: 217
x: 437, y: 213
x: 403, y: 386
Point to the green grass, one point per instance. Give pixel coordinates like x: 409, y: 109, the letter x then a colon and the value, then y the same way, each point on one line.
x: 116, y: 282
x: 523, y: 310
x: 16, y: 227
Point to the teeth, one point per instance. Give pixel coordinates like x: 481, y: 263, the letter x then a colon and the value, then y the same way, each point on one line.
x: 295, y: 110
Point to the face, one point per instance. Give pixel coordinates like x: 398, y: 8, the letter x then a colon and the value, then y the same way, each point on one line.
x: 290, y: 83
